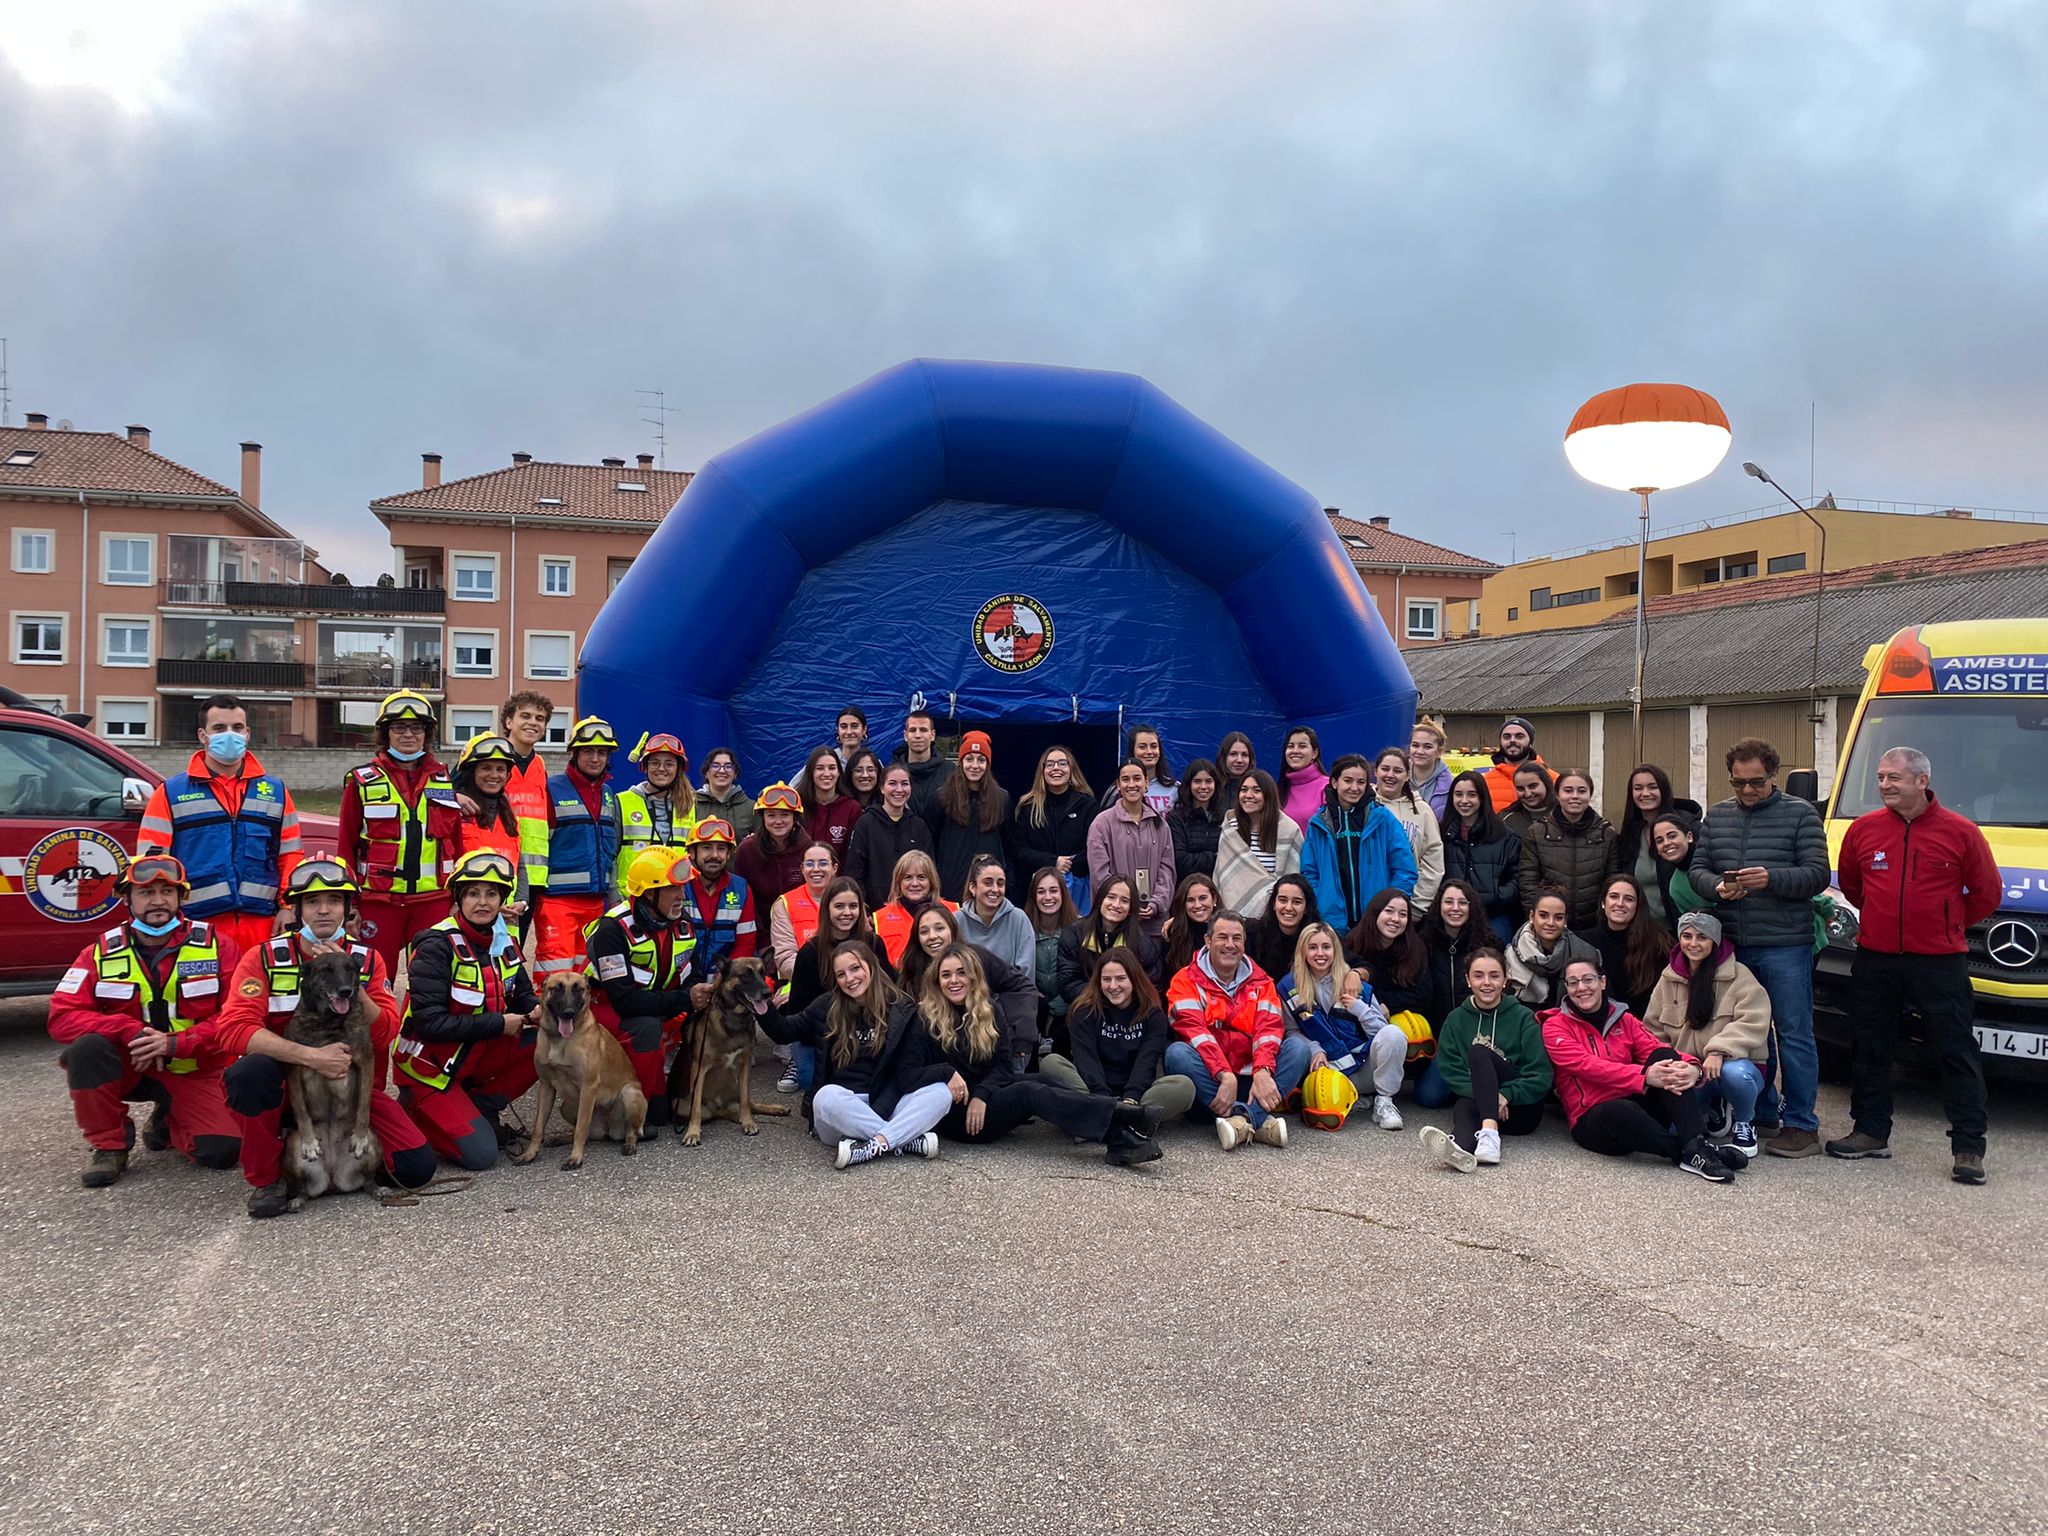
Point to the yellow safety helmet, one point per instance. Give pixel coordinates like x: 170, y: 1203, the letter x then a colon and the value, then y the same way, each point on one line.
x: 780, y: 796
x: 152, y: 869
x: 1326, y: 1098
x: 406, y: 704
x: 487, y: 749
x: 591, y: 731
x: 483, y: 866
x: 320, y: 872
x: 654, y: 868
x: 713, y: 829
x: 652, y: 742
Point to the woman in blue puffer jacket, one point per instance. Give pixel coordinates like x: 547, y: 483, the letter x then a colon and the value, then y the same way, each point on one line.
x: 1354, y: 847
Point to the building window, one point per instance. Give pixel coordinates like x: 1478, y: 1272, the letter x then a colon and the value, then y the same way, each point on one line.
x: 125, y: 562
x: 53, y: 702
x: 124, y: 719
x: 476, y: 578
x: 476, y: 652
x: 38, y: 637
x: 1543, y: 598
x: 416, y: 578
x: 21, y: 458
x: 550, y: 655
x: 124, y: 642
x: 35, y: 551
x: 1425, y: 620
x: 1780, y: 564
x: 558, y: 730
x: 1514, y: 614
x: 615, y: 572
x: 557, y: 576
x: 1539, y: 599
x: 465, y: 723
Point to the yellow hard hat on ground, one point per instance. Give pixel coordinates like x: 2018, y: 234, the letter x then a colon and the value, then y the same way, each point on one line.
x: 653, y: 868
x: 1326, y: 1098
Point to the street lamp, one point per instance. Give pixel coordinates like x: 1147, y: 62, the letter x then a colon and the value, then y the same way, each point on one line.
x: 1644, y: 438
x: 1820, y: 585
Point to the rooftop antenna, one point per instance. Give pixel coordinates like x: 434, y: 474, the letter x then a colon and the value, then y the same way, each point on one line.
x: 658, y: 421
x: 6, y: 400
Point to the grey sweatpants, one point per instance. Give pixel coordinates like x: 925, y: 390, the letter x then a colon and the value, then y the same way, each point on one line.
x: 835, y: 1112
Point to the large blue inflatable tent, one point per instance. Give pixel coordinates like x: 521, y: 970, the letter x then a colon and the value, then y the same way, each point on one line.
x: 1046, y: 553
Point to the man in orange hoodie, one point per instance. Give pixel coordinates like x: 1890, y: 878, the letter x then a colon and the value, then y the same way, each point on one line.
x: 1517, y: 746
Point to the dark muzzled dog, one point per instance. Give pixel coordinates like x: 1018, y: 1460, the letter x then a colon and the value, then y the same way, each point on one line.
x: 331, y: 1145
x: 717, y: 1066
x: 580, y: 1062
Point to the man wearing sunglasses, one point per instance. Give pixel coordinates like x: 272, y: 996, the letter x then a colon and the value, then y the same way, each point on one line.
x: 465, y: 1047
x: 399, y: 820
x: 135, y: 1015
x: 250, y: 1031
x: 1763, y: 856
x: 231, y: 825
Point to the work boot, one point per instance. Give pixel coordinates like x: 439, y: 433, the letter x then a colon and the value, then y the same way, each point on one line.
x: 1969, y: 1168
x: 1794, y: 1144
x: 1858, y: 1145
x: 156, y: 1135
x: 271, y: 1200
x: 106, y: 1168
x: 1130, y: 1137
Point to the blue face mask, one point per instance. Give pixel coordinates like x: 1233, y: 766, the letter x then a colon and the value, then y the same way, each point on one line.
x: 406, y: 757
x: 308, y: 936
x: 151, y: 930
x: 228, y: 746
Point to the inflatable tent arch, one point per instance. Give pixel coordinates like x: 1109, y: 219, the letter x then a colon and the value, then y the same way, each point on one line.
x: 1048, y: 552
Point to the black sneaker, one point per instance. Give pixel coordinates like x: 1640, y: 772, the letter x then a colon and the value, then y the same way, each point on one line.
x: 1704, y: 1162
x: 271, y: 1200
x: 106, y: 1168
x: 1720, y: 1117
x: 1734, y: 1159
x: 1127, y: 1146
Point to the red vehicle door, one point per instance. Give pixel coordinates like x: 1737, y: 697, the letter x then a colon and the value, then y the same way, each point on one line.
x: 63, y: 834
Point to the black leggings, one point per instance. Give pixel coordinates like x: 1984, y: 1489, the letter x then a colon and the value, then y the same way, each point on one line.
x: 1085, y: 1115
x: 1656, y: 1120
x: 1489, y: 1069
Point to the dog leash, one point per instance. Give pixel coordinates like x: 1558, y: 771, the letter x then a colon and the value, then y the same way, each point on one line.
x: 446, y: 1184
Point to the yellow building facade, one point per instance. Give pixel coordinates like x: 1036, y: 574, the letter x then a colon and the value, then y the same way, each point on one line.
x: 1586, y: 586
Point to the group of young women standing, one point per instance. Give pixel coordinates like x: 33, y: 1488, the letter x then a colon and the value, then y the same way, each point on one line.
x: 1511, y: 954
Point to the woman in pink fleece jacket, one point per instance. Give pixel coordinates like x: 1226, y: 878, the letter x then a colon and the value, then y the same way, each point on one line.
x: 1132, y: 836
x: 1622, y: 1089
x: 1302, y: 776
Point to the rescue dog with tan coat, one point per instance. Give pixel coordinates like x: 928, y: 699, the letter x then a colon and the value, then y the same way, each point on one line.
x: 580, y: 1062
x: 717, y: 1064
x: 330, y: 1145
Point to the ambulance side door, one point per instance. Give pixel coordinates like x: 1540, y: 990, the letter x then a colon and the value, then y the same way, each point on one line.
x: 63, y: 829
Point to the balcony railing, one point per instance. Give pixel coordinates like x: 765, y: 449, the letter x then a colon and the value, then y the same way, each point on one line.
x: 377, y: 676
x: 285, y: 597
x: 179, y: 672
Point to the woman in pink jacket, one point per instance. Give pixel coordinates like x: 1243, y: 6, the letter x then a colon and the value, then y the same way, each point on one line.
x: 1302, y: 775
x: 1622, y: 1089
x: 1132, y: 839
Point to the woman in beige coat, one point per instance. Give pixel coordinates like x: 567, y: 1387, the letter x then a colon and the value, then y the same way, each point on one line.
x: 1711, y: 1007
x: 1391, y: 787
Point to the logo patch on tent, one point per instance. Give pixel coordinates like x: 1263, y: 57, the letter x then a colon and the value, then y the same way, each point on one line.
x: 69, y: 875
x: 1013, y: 633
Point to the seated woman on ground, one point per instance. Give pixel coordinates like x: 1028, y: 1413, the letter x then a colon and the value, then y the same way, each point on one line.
x: 1113, y: 924
x: 1542, y: 947
x: 842, y: 919
x: 1387, y: 945
x: 1277, y: 930
x: 968, y: 1055
x: 1050, y: 908
x: 1334, y: 1008
x: 1710, y: 1006
x: 1119, y: 1031
x: 1622, y: 1089
x: 863, y: 1030
x: 1016, y: 992
x: 1490, y: 1054
x: 1187, y: 925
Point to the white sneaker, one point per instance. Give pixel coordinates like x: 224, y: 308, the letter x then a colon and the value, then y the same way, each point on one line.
x: 1272, y: 1132
x: 1233, y: 1132
x: 1436, y: 1141
x: 926, y: 1145
x: 1384, y: 1115
x: 1486, y: 1147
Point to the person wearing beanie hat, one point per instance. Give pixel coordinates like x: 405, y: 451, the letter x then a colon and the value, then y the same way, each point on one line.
x: 1710, y: 1006
x: 1517, y: 746
x: 967, y: 816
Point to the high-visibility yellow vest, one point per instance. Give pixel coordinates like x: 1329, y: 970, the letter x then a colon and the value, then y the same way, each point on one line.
x: 190, y: 996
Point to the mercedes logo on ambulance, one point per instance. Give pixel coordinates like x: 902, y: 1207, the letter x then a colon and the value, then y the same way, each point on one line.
x: 2013, y: 944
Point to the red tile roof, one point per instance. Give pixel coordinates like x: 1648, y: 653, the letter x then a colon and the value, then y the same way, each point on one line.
x: 1378, y: 549
x: 97, y: 461
x: 586, y: 491
x: 1998, y: 557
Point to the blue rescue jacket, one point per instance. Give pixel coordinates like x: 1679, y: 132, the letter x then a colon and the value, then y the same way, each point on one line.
x: 230, y: 860
x: 583, y: 853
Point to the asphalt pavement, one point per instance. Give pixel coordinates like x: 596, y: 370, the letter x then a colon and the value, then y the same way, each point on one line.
x: 1340, y: 1336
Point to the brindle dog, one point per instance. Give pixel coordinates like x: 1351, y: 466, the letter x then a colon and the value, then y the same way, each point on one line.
x: 717, y: 1066
x: 331, y: 1145
x: 581, y: 1062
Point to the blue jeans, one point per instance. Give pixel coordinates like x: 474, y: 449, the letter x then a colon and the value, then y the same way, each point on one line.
x: 1503, y: 929
x: 1288, y: 1071
x: 1431, y: 1091
x: 1786, y: 971
x: 1742, y: 1080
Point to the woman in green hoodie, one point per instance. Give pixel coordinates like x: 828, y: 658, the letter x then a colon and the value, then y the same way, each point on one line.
x: 1490, y: 1052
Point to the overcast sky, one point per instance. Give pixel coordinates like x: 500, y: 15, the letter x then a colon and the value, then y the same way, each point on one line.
x: 1388, y: 247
